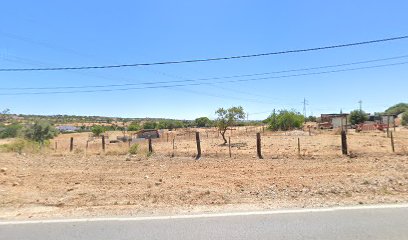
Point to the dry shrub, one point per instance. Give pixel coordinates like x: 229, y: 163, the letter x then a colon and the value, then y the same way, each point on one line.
x: 22, y: 146
x: 134, y: 149
x: 116, y: 152
x: 78, y: 151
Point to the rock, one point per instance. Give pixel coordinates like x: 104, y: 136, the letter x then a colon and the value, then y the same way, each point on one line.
x: 15, y: 184
x: 60, y: 204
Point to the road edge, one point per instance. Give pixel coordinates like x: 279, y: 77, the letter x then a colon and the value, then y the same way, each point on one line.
x: 209, y: 215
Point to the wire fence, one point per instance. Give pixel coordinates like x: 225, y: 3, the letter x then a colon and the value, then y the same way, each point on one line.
x: 242, y: 142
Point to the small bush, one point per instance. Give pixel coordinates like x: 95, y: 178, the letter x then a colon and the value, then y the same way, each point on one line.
x: 285, y: 120
x: 98, y: 130
x: 10, y: 131
x: 134, y: 149
x: 40, y: 131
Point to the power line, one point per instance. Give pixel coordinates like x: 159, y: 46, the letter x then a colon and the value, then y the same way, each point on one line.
x: 224, y: 96
x: 218, y: 78
x: 202, y: 83
x: 207, y: 59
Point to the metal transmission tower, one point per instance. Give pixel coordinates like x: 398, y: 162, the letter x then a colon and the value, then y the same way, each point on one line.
x: 361, y: 105
x: 305, y: 103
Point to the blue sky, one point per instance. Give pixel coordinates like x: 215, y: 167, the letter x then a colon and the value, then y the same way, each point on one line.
x: 67, y: 33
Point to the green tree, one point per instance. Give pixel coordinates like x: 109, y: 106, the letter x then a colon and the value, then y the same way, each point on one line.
x: 187, y: 123
x: 169, y: 124
x: 149, y: 125
x: 397, y: 109
x: 404, y: 120
x: 97, y: 130
x: 178, y: 124
x: 311, y: 119
x: 134, y: 126
x: 228, y: 118
x: 40, y: 131
x: 166, y: 124
x: 202, y: 122
x: 358, y: 116
x: 285, y: 120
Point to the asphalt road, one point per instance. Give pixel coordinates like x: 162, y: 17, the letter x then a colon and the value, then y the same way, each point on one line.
x: 387, y: 222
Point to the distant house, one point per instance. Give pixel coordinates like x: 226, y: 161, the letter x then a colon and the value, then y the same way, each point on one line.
x: 333, y: 120
x: 398, y: 119
x: 67, y: 129
x: 388, y: 119
x: 148, y: 133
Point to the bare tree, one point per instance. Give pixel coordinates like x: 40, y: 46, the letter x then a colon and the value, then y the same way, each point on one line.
x: 4, y: 114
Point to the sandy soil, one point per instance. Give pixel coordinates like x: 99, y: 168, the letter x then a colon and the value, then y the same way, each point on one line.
x: 60, y: 184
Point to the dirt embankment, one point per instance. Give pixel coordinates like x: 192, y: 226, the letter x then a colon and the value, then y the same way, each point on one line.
x: 76, y: 185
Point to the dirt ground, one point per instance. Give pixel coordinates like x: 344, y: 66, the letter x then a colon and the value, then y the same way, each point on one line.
x: 89, y: 182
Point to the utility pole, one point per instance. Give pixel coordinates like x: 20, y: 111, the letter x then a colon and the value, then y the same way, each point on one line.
x: 305, y: 102
x: 361, y: 105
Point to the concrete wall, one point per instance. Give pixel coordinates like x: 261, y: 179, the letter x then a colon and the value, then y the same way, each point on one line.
x: 336, y: 122
x: 385, y: 120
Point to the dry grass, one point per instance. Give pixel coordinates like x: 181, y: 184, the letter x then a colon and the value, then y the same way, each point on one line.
x: 243, y: 143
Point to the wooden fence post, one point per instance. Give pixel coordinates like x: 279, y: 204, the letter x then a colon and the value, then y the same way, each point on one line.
x: 71, y: 144
x: 56, y: 146
x: 229, y: 146
x: 167, y: 137
x: 344, y: 142
x: 103, y: 143
x: 388, y: 126
x: 150, y: 145
x: 258, y: 145
x: 392, y: 143
x: 87, y: 143
x: 198, y: 145
x: 173, y: 146
x: 299, y: 146
x: 393, y: 124
x: 310, y: 131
